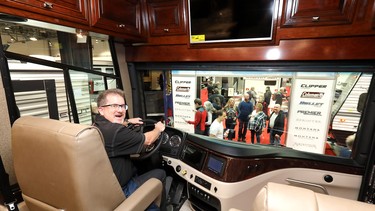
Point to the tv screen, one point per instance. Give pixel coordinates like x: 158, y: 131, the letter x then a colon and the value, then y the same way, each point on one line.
x: 231, y: 20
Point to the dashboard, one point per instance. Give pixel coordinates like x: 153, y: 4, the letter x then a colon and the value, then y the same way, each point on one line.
x: 218, y: 171
x: 220, y: 159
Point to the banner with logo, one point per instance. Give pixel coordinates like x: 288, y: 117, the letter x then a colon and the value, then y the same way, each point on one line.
x: 184, y: 93
x: 310, y: 112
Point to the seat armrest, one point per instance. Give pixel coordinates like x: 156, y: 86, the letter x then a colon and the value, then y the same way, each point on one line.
x: 281, y: 197
x: 149, y: 192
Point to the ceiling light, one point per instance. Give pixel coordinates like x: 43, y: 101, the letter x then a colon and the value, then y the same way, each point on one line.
x: 81, y: 33
x: 33, y: 38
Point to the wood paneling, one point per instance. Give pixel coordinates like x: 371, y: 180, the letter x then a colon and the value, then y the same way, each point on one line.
x: 253, y: 167
x: 343, y: 48
x: 69, y: 10
x: 345, y: 31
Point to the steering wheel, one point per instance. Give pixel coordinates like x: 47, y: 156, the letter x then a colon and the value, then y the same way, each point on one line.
x: 148, y: 125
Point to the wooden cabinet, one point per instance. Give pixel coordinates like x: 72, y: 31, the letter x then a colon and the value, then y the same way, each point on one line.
x: 166, y: 17
x: 318, y: 13
x: 325, y: 18
x: 67, y: 10
x: 120, y: 16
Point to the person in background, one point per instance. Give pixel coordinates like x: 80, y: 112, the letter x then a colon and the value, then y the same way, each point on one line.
x: 267, y: 99
x: 210, y: 88
x: 217, y: 128
x: 231, y: 120
x: 264, y: 105
x: 251, y: 119
x: 254, y: 95
x: 276, y: 125
x: 257, y: 123
x: 251, y: 99
x: 245, y: 108
x: 210, y: 111
x: 283, y: 92
x: 120, y: 141
x: 199, y: 118
x: 278, y: 97
x: 347, y: 151
x: 217, y: 98
x: 217, y: 85
x: 267, y: 95
x: 217, y: 105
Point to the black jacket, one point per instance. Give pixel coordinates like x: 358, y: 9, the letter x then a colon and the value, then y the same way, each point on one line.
x: 278, y: 126
x: 120, y: 142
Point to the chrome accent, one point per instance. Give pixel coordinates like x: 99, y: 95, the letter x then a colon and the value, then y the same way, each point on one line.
x: 300, y: 182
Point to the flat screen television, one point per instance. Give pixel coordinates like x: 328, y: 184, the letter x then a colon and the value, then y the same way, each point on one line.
x: 214, y: 21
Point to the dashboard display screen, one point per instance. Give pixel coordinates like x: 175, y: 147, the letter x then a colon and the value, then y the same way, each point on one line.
x: 216, y: 164
x: 193, y: 156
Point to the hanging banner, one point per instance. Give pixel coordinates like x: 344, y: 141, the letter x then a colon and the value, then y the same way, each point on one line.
x: 310, y: 112
x: 184, y: 93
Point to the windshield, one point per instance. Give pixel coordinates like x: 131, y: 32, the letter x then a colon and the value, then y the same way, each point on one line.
x: 321, y: 110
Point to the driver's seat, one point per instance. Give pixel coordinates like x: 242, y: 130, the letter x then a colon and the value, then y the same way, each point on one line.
x: 64, y: 166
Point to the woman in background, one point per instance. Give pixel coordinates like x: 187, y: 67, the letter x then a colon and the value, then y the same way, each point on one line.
x: 231, y: 120
x: 257, y: 123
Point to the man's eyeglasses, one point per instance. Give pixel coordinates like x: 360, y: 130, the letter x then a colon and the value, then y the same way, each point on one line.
x: 116, y: 106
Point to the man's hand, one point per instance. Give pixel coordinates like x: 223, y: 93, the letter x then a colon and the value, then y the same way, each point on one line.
x: 153, y: 135
x: 133, y: 121
x: 160, y: 126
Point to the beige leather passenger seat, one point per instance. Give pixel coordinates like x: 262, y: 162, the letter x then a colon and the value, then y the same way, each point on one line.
x: 281, y: 197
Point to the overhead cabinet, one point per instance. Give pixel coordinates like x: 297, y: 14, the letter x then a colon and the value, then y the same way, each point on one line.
x: 319, y: 13
x: 167, y: 17
x: 120, y: 16
x: 68, y: 10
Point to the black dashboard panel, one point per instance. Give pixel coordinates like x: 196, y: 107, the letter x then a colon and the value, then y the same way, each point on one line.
x: 172, y: 142
x: 244, y: 150
x: 193, y: 155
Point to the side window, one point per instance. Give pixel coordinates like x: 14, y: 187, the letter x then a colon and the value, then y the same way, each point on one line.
x: 154, y: 97
x: 351, y: 96
x: 41, y: 87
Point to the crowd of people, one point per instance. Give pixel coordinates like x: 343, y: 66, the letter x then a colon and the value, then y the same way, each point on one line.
x: 226, y: 119
x: 256, y: 118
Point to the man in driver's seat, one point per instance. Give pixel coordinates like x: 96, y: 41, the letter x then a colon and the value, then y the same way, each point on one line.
x: 121, y: 142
